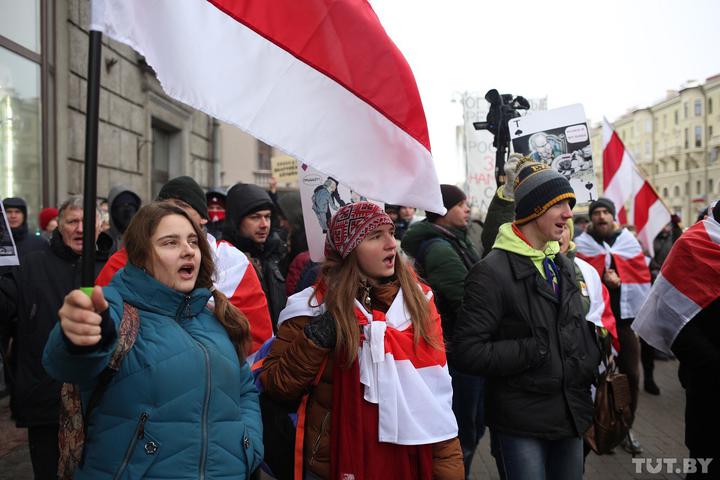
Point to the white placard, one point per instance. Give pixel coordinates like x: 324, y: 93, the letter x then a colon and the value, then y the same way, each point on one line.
x: 559, y: 138
x: 8, y: 251
x: 321, y: 196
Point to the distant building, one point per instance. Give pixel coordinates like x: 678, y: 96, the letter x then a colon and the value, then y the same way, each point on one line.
x: 676, y: 142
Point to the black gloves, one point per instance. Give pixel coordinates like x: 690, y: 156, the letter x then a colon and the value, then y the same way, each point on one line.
x: 321, y: 330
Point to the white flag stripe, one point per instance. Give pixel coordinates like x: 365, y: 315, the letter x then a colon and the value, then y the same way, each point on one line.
x: 267, y: 92
x: 664, y: 314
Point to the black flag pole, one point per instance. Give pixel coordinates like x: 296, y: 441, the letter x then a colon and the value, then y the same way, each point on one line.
x: 91, y: 148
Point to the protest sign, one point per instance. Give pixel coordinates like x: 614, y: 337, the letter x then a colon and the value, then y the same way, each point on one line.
x: 559, y: 138
x: 8, y: 252
x: 321, y: 196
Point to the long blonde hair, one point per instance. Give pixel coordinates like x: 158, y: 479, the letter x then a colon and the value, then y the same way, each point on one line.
x: 339, y: 283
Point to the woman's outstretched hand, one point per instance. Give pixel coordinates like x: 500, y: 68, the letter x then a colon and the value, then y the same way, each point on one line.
x: 80, y: 317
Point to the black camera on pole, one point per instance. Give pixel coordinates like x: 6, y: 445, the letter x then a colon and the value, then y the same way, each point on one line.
x: 503, y: 108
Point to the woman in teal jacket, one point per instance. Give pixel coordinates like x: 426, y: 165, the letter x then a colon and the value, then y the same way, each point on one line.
x: 183, y: 404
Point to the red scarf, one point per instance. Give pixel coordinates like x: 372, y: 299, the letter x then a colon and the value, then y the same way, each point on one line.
x: 355, y: 452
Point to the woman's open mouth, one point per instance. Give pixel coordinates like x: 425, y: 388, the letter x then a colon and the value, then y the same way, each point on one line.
x: 186, y: 271
x: 389, y: 261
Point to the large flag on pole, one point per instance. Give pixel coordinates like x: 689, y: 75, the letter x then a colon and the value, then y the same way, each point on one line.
x: 689, y: 281
x: 319, y: 79
x: 623, y: 182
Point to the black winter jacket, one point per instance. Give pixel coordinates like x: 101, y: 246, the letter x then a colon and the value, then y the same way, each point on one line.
x: 538, y: 353
x: 30, y: 298
x: 267, y: 258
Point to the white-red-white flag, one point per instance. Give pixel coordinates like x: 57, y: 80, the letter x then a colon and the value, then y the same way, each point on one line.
x: 689, y: 281
x: 623, y: 182
x: 319, y: 79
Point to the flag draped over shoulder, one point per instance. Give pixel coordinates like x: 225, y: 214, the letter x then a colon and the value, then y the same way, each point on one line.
x: 623, y: 182
x: 600, y: 312
x: 630, y: 265
x: 689, y: 281
x: 410, y: 383
x: 319, y: 79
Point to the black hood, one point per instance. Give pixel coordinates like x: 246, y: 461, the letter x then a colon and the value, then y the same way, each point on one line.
x: 242, y: 200
x: 20, y: 232
x: 19, y: 203
x: 123, y: 204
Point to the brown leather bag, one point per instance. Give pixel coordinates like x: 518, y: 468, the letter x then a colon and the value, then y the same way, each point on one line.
x: 613, y: 416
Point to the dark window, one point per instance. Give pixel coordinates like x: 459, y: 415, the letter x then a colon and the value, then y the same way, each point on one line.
x: 676, y: 191
x: 264, y: 155
x: 676, y: 117
x: 687, y: 145
x: 709, y: 106
x: 161, y: 156
x: 698, y: 107
x: 710, y: 185
x: 665, y: 192
x: 698, y: 187
x: 698, y: 136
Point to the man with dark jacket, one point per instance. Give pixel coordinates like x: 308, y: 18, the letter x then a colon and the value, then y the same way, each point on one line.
x: 522, y: 325
x: 444, y: 255
x: 619, y: 259
x: 25, y: 241
x: 123, y: 204
x: 248, y: 212
x: 29, y: 299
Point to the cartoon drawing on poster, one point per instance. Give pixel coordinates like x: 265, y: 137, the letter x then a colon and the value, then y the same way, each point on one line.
x: 321, y: 196
x: 8, y: 251
x: 559, y: 138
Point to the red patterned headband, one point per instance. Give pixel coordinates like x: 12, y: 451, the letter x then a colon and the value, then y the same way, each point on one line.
x: 351, y: 224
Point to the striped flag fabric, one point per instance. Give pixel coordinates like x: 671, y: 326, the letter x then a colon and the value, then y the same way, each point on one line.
x: 410, y: 382
x: 623, y: 182
x: 600, y: 313
x: 688, y: 282
x: 318, y: 79
x: 630, y: 264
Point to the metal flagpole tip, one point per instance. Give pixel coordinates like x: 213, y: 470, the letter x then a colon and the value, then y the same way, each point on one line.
x: 87, y: 291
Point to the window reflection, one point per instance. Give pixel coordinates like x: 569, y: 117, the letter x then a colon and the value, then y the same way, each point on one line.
x: 20, y: 22
x: 20, y: 130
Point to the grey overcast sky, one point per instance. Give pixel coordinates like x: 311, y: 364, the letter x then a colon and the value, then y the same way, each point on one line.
x: 609, y: 55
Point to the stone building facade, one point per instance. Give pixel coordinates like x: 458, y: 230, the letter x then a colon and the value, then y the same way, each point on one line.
x: 145, y: 137
x: 676, y: 143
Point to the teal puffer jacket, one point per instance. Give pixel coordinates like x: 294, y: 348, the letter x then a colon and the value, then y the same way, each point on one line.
x: 181, y: 406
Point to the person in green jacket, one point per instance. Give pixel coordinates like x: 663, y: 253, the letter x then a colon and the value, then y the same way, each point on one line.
x: 443, y: 256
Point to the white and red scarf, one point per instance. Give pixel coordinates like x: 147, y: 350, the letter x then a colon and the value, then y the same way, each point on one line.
x: 409, y: 382
x: 630, y: 264
x: 688, y: 282
x: 600, y: 313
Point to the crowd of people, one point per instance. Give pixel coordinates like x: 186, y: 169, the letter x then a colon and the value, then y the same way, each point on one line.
x: 209, y: 323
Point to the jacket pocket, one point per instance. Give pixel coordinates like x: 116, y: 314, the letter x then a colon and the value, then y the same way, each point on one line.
x: 141, y: 452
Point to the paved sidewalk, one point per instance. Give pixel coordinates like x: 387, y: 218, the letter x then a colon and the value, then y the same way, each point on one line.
x: 659, y: 427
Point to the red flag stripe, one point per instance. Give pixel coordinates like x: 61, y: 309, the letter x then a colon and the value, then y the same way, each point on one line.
x: 695, y: 278
x: 643, y: 201
x: 622, y: 216
x: 311, y: 33
x: 612, y: 158
x: 632, y: 270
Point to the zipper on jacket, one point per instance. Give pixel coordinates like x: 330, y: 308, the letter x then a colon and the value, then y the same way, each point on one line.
x: 184, y: 308
x: 316, y: 445
x: 139, y: 433
x: 206, y: 403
